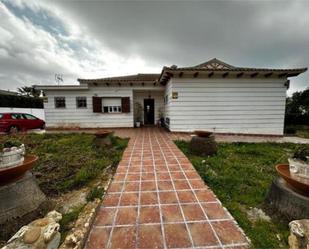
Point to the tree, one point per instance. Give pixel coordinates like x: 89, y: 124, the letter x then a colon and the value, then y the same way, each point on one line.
x: 297, y: 108
x: 29, y: 91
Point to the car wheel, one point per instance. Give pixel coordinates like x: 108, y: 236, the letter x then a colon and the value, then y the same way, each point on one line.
x: 43, y: 127
x: 13, y: 129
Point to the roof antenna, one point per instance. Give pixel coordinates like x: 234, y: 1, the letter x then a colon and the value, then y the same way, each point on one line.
x: 58, y: 78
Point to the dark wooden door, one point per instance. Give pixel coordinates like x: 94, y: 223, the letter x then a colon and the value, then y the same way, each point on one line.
x: 148, y: 111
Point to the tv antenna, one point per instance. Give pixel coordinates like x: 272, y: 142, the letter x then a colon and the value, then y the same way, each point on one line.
x: 58, y: 78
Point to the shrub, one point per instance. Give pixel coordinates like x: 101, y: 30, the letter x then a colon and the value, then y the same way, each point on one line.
x: 290, y: 130
x: 96, y: 192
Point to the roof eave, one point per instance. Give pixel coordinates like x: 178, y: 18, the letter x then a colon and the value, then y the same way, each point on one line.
x: 163, y: 79
x: 62, y: 87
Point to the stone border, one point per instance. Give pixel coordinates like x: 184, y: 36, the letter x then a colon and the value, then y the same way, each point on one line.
x: 77, y: 237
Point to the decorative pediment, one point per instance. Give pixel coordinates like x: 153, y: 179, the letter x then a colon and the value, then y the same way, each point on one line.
x: 214, y: 64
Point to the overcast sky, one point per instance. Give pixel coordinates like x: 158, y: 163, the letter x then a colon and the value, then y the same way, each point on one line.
x: 90, y: 39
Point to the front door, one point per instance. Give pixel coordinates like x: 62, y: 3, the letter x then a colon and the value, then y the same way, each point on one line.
x: 148, y: 111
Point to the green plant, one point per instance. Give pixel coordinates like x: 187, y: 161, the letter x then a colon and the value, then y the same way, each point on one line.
x: 290, y: 130
x: 138, y: 109
x: 161, y: 113
x: 68, y: 219
x: 302, y: 153
x: 9, y: 142
x: 96, y: 192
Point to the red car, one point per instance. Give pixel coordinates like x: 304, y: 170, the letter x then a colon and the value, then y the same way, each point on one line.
x: 14, y: 122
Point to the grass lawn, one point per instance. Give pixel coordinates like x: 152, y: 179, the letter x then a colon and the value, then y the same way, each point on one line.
x: 68, y: 162
x: 240, y: 175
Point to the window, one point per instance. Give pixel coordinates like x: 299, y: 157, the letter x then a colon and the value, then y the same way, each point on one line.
x: 59, y: 102
x: 17, y: 116
x: 28, y: 116
x: 111, y: 105
x: 81, y: 102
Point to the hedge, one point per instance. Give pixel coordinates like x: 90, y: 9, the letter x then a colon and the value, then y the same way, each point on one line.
x: 20, y: 101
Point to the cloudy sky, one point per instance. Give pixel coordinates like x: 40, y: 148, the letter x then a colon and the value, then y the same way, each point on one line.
x: 90, y: 39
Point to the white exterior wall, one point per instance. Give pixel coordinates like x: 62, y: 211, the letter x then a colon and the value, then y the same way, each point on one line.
x: 85, y: 117
x: 251, y: 106
x: 158, y: 97
x: 168, y: 98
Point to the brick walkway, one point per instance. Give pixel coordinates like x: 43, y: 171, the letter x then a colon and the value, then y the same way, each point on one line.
x: 157, y: 200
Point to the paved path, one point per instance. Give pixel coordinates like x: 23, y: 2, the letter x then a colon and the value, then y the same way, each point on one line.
x: 157, y: 200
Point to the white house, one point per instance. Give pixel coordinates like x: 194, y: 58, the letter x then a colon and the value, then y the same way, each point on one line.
x: 212, y: 96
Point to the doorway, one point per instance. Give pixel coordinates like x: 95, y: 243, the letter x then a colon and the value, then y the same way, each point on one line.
x: 149, y: 111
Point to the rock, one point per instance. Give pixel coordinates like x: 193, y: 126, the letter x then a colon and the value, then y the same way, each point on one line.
x: 32, y: 235
x: 78, y: 235
x: 39, y: 234
x: 299, y: 234
x: 54, y: 215
x: 255, y: 214
x: 40, y: 222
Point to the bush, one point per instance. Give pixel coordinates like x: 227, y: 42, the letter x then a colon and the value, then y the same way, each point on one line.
x: 290, y: 130
x: 20, y: 101
x: 96, y: 192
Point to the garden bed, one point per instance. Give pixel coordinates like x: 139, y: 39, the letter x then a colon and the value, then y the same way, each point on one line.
x: 70, y: 167
x: 240, y: 175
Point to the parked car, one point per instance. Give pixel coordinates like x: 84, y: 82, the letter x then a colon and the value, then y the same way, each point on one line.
x: 14, y: 122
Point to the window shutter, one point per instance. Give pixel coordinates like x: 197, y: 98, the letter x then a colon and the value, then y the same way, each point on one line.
x: 125, y: 104
x: 97, y: 104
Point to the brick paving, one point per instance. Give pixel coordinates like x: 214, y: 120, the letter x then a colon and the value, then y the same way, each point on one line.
x: 157, y: 200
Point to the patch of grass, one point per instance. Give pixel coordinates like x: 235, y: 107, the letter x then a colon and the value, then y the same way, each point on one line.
x: 68, y: 220
x: 69, y: 161
x: 240, y: 175
x: 96, y: 192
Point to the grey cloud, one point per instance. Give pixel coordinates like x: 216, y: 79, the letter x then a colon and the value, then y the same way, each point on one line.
x: 253, y: 33
x: 242, y: 33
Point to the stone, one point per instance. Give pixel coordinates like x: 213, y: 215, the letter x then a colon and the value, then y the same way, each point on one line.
x: 299, y: 234
x: 40, y: 222
x: 77, y: 237
x: 255, y: 214
x: 54, y: 215
x: 39, y: 234
x: 49, y: 231
x: 32, y: 235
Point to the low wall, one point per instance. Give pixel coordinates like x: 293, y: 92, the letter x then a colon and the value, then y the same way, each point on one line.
x: 39, y: 113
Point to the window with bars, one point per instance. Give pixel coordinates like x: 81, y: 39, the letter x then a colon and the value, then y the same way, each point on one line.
x: 81, y: 102
x: 59, y: 102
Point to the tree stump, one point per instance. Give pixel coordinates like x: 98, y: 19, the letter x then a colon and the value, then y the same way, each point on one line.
x: 288, y: 202
x: 203, y: 146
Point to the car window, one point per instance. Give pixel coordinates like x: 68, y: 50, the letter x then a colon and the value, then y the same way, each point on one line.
x: 1, y: 115
x: 17, y: 116
x: 28, y: 116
